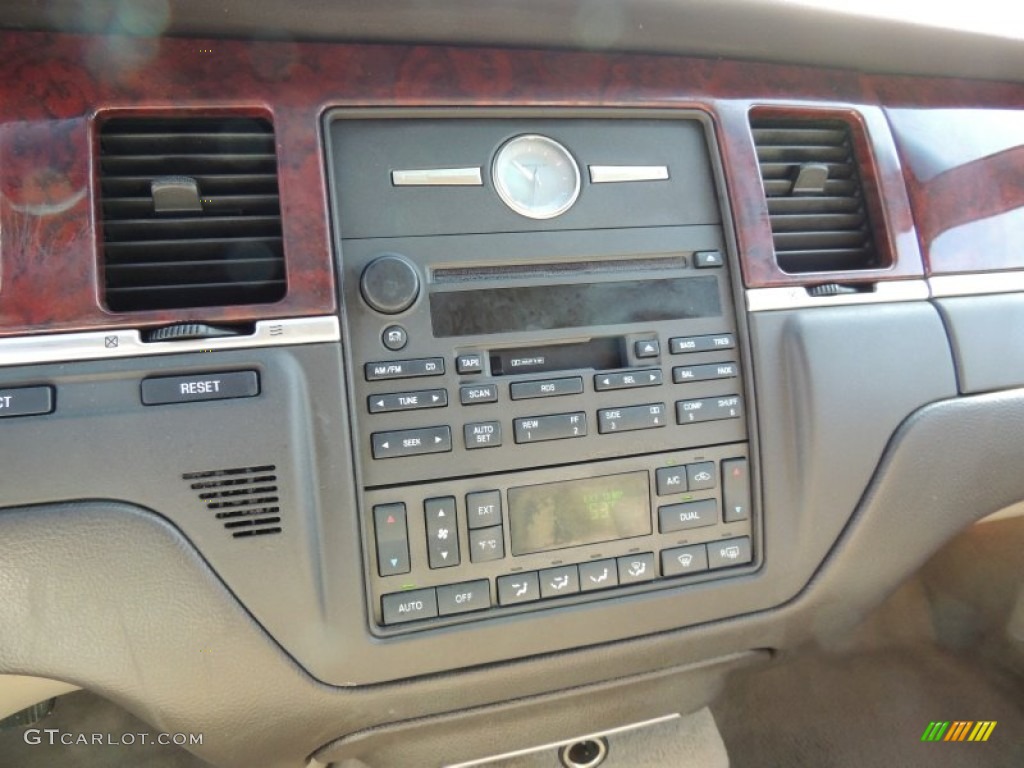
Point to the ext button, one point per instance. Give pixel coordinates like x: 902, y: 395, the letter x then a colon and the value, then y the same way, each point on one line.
x: 464, y: 598
x: 408, y: 401
x: 599, y: 574
x: 414, y: 605
x: 634, y: 569
x: 671, y: 480
x: 518, y: 588
x: 392, y: 538
x: 686, y: 344
x: 682, y: 517
x: 204, y: 386
x: 482, y: 434
x: 647, y: 377
x: 563, y: 580
x: 631, y: 417
x: 725, y: 554
x: 682, y: 561
x: 483, y: 509
x: 470, y: 363
x: 471, y: 394
x: 26, y: 401
x: 709, y: 409
x: 404, y: 369
x: 442, y: 532
x: 686, y: 373
x: 486, y: 544
x: 411, y: 442
x: 526, y: 390
x: 701, y: 477
x: 554, y: 427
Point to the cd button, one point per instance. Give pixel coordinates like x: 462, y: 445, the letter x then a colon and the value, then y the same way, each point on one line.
x: 404, y: 369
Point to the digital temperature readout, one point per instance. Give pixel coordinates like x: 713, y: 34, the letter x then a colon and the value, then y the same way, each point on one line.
x: 576, y: 512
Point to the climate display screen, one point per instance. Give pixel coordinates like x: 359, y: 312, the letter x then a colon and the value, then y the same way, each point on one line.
x: 575, y: 305
x: 575, y: 512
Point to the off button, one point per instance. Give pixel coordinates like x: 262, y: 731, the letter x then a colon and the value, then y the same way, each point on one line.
x: 464, y: 598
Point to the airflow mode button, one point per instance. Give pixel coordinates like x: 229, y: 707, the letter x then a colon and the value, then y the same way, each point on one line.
x: 165, y: 390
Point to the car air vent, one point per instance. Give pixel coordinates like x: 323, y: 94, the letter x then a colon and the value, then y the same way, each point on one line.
x: 245, y: 499
x: 815, y: 197
x: 191, y: 216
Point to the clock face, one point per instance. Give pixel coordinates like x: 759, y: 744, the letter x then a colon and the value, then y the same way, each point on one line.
x: 536, y: 176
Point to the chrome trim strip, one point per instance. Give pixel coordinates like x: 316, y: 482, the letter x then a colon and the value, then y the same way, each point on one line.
x: 609, y: 174
x: 438, y: 177
x: 976, y: 283
x: 108, y: 345
x: 557, y: 744
x: 796, y: 297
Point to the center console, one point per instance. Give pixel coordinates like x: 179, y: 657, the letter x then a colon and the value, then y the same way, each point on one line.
x: 544, y: 362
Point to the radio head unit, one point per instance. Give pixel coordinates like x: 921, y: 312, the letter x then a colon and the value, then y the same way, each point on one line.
x: 542, y: 407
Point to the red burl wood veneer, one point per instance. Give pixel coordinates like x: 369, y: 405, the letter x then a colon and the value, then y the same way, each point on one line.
x: 53, y: 88
x: 965, y: 173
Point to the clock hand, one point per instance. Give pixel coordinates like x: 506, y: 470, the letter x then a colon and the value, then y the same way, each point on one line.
x: 530, y: 175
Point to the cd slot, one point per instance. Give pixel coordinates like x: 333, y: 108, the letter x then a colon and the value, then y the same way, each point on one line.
x: 443, y: 275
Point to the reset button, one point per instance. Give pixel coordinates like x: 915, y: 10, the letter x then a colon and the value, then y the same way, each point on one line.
x: 201, y: 386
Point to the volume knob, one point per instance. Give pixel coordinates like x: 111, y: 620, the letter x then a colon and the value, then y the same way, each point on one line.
x: 390, y: 284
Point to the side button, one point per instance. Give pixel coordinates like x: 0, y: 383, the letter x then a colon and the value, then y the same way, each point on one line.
x: 400, y: 607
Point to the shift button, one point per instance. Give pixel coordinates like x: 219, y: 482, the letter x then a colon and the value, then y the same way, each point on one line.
x: 25, y: 401
x: 165, y: 390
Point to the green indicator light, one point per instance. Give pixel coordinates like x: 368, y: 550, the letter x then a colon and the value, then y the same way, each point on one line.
x: 408, y: 586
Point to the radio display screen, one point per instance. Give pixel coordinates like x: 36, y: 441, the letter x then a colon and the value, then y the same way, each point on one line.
x: 572, y: 305
x: 576, y: 512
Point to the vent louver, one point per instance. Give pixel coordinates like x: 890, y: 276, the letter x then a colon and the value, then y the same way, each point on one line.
x: 245, y: 499
x: 815, y: 197
x: 191, y: 216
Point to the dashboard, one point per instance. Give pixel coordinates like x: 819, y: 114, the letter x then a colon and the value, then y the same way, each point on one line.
x: 358, y: 398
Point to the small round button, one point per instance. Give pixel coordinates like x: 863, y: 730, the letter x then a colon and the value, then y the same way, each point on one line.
x: 394, y: 337
x: 390, y: 284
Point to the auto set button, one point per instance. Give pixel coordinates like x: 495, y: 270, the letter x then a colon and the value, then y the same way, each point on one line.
x: 482, y: 434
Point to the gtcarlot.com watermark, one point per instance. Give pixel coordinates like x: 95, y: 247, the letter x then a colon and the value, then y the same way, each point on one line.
x: 55, y: 737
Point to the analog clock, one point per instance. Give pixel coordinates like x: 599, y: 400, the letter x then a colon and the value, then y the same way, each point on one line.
x: 536, y: 176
